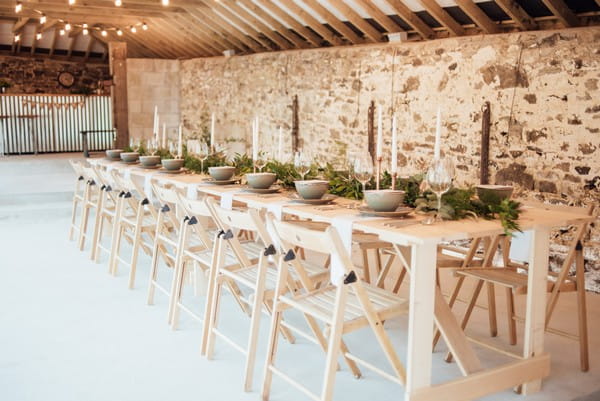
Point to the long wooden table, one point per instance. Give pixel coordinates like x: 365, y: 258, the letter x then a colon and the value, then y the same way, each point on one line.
x: 427, y: 305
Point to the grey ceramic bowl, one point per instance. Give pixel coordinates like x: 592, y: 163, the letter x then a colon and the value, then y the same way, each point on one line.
x: 311, y: 189
x: 130, y: 156
x: 494, y: 193
x: 114, y: 153
x: 261, y: 180
x: 385, y: 200
x: 172, y: 164
x: 222, y: 173
x: 149, y: 161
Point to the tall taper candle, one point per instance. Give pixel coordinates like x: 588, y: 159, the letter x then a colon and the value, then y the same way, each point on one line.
x: 212, y: 130
x: 180, y: 143
x: 394, y: 146
x: 438, y: 134
x: 155, y: 126
x: 164, y: 141
x: 379, y: 135
x: 255, y: 139
x: 280, y: 146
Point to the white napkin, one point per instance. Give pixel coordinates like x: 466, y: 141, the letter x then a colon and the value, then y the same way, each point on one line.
x: 227, y: 198
x: 520, y: 246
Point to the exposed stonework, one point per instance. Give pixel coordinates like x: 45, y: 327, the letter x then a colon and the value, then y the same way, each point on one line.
x: 40, y: 75
x: 152, y: 83
x: 543, y: 89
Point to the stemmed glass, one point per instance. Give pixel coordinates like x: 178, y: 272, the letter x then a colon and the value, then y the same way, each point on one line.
x: 439, y: 178
x: 302, y: 163
x: 261, y: 160
x: 363, y: 171
x: 134, y: 144
x: 203, y: 152
x: 173, y: 149
x: 151, y: 146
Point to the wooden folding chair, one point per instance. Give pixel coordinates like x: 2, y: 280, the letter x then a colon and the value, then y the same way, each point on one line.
x: 78, y: 196
x: 106, y: 214
x: 513, y: 277
x: 354, y: 304
x: 136, y: 221
x: 91, y: 196
x: 256, y: 276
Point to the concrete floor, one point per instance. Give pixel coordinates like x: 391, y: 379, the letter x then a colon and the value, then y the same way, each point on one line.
x: 69, y: 331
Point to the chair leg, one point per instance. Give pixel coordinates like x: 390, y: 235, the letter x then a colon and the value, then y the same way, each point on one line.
x: 582, y: 313
x: 491, y: 295
x: 153, y: 272
x: 365, y: 260
x: 385, y: 271
x: 213, y: 319
x: 510, y: 313
x: 218, y: 253
x: 271, y: 351
x: 399, y: 281
x: 335, y: 340
x: 73, y: 217
x: 177, y: 298
x: 467, y: 316
x: 85, y: 212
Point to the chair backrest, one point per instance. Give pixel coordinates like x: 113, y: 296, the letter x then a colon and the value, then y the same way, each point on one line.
x: 169, y: 206
x: 77, y: 167
x: 198, y: 209
x: 292, y: 236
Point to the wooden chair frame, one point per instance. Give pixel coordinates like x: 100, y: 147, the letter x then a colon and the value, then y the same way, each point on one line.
x: 78, y: 196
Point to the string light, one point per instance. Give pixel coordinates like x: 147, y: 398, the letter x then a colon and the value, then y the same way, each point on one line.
x: 62, y: 32
x: 17, y: 38
x: 104, y: 33
x: 67, y: 27
x: 71, y: 2
x: 144, y: 26
x: 133, y: 29
x: 119, y: 32
x: 165, y: 2
x: 118, y: 3
x: 38, y: 36
x: 85, y: 29
x: 18, y: 7
x: 43, y: 19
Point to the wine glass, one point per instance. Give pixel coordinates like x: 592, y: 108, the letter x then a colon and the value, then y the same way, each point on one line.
x: 363, y: 171
x: 151, y: 146
x: 173, y: 149
x: 261, y: 160
x: 439, y: 178
x: 350, y: 157
x: 203, y: 152
x: 134, y: 144
x: 302, y: 163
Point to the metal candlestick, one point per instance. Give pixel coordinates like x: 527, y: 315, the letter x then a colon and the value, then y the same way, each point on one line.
x: 379, y: 160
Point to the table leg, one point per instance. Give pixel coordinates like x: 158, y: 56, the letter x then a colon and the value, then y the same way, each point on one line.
x: 420, y: 319
x: 535, y: 318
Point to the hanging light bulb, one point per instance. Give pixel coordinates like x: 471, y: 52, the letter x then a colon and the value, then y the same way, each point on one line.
x: 119, y: 32
x: 17, y: 38
x: 85, y: 29
x: 67, y: 27
x: 38, y: 36
x: 18, y: 7
x: 145, y: 26
x: 43, y: 19
x: 118, y: 3
x: 133, y: 29
x: 71, y: 2
x: 104, y: 33
x: 62, y: 32
x: 165, y: 2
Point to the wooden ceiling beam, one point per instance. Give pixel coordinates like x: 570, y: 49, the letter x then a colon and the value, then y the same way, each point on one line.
x: 517, y: 14
x: 332, y: 20
x: 102, y: 7
x: 216, y: 23
x: 189, y: 41
x: 34, y: 42
x: 209, y: 40
x: 480, y: 18
x: 380, y: 17
x: 299, y: 28
x: 138, y: 48
x: 412, y: 19
x: 437, y: 12
x: 53, y: 43
x: 19, y: 25
x: 73, y: 41
x: 50, y: 23
x: 169, y: 39
x: 357, y: 20
x: 562, y: 12
x: 312, y: 23
x: 227, y: 14
x: 293, y: 38
x: 88, y: 50
x: 185, y: 47
x: 73, y: 18
x: 244, y: 15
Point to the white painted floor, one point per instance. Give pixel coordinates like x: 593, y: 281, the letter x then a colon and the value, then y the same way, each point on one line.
x: 71, y: 332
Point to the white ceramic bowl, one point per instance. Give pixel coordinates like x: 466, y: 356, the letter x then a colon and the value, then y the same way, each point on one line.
x: 222, y: 173
x: 311, y: 189
x: 261, y: 180
x: 384, y: 200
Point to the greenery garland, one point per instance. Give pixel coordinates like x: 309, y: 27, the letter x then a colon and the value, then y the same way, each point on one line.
x: 457, y: 203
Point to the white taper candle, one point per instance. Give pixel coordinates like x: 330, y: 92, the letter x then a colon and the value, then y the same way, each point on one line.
x: 394, y: 168
x: 438, y: 134
x: 379, y: 134
x: 212, y: 130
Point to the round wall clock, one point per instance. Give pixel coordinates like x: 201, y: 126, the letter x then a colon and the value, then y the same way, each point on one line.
x: 66, y: 79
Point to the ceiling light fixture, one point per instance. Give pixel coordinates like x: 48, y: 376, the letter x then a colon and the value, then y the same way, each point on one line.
x: 144, y: 26
x: 165, y: 2
x: 38, y: 36
x: 18, y: 7
x: 71, y: 2
x: 119, y: 32
x: 67, y: 27
x: 104, y: 33
x: 85, y: 29
x: 62, y: 32
x: 118, y: 3
x: 43, y: 19
x: 17, y: 38
x: 133, y: 29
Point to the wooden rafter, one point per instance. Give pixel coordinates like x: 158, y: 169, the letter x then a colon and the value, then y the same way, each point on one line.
x: 443, y: 17
x: 178, y: 37
x: 72, y: 42
x: 562, y: 12
x: 164, y: 39
x: 214, y: 22
x: 54, y: 39
x: 517, y: 14
x: 382, y: 19
x: 332, y: 20
x: 35, y: 40
x: 89, y: 48
x: 104, y: 8
x: 357, y: 20
x: 19, y: 25
x: 301, y: 29
x: 51, y: 23
x: 412, y: 19
x: 476, y: 14
x: 274, y: 24
x: 210, y: 41
x: 311, y: 22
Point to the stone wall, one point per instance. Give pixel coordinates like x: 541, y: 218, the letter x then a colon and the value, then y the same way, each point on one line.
x: 40, y: 75
x: 543, y: 88
x: 152, y: 83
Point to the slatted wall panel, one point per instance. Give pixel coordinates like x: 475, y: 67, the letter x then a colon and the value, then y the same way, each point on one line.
x: 53, y: 123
